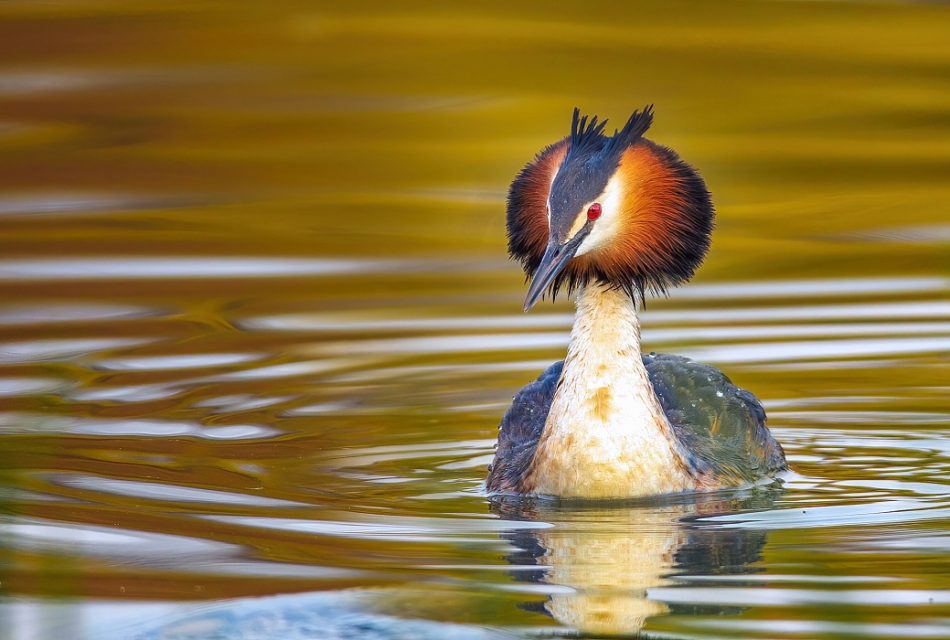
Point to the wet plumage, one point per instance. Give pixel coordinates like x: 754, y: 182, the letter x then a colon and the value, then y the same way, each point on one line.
x: 720, y: 426
x: 614, y: 218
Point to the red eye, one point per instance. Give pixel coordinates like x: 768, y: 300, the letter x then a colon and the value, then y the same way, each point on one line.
x: 593, y: 212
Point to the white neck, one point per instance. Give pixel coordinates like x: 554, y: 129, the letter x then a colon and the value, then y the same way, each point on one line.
x: 606, y: 435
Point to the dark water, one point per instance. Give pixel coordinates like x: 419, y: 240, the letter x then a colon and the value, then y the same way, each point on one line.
x: 257, y: 327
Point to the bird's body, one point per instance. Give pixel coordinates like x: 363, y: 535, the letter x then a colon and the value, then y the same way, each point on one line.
x: 608, y: 422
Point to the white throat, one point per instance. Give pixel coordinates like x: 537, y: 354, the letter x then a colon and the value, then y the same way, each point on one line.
x: 606, y: 435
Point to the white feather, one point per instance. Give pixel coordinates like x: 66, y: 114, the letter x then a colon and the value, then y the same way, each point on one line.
x: 606, y: 435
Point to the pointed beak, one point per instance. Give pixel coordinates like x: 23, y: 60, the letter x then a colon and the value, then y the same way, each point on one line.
x: 555, y: 259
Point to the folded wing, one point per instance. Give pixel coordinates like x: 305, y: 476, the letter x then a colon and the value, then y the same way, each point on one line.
x: 720, y: 427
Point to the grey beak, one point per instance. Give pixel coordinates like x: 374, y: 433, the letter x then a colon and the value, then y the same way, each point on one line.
x: 555, y: 259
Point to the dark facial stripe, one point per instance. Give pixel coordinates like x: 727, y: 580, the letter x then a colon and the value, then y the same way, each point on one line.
x: 591, y: 160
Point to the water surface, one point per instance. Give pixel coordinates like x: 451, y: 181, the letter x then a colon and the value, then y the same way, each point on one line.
x: 257, y: 327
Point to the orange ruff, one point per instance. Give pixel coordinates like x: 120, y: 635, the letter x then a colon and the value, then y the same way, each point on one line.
x: 654, y: 214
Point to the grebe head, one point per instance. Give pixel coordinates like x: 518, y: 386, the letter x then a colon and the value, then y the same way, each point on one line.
x: 616, y: 209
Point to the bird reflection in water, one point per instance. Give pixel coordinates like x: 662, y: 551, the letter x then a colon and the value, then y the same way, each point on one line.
x: 608, y: 556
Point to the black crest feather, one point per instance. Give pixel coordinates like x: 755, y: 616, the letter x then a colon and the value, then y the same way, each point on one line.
x: 636, y: 126
x: 586, y: 136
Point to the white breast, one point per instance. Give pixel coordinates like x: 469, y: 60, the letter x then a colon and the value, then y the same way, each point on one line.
x: 606, y: 435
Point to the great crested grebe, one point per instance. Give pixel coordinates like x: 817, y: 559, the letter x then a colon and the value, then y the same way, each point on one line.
x: 616, y: 217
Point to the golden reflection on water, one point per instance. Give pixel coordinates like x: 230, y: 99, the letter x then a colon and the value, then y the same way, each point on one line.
x: 257, y: 328
x: 608, y: 559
